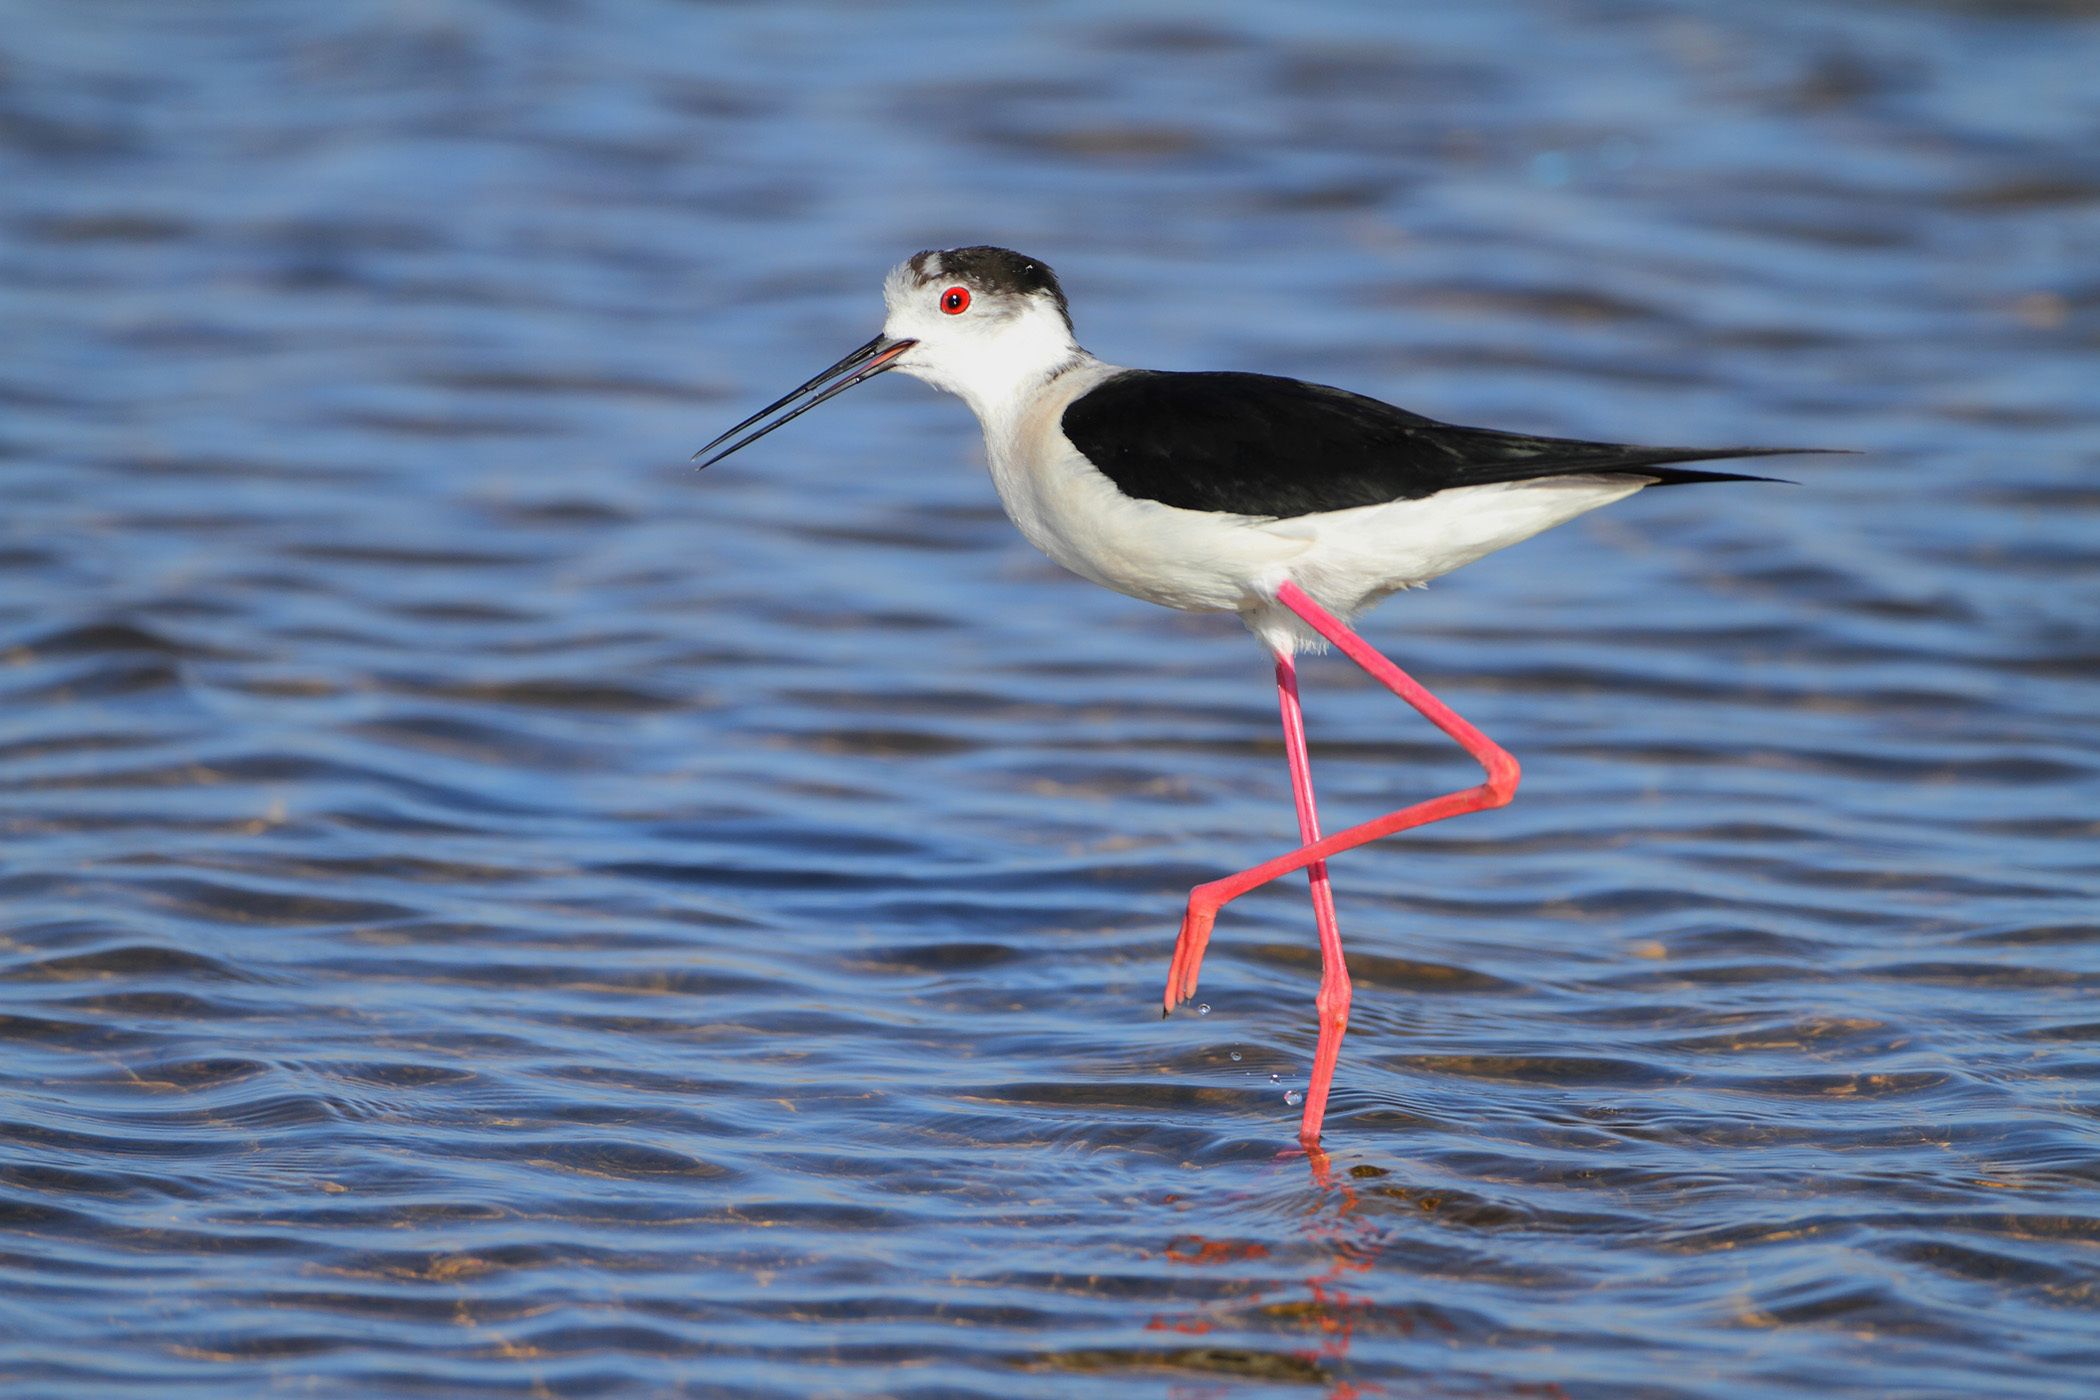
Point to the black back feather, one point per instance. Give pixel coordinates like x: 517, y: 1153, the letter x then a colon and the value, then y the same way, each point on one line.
x: 1255, y: 444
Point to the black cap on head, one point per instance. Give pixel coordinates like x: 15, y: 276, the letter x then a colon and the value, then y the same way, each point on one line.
x: 993, y: 270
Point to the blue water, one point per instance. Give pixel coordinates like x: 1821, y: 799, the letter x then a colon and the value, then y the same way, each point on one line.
x: 489, y: 910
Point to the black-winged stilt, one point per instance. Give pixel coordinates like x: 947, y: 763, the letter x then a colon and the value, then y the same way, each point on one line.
x: 1294, y: 505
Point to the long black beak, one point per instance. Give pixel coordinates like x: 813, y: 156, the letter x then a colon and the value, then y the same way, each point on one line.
x: 865, y: 363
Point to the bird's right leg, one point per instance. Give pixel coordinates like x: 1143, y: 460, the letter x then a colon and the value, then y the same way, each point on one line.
x: 1189, y: 947
x: 1206, y: 900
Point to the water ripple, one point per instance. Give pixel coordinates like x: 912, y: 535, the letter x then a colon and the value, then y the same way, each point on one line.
x: 490, y: 910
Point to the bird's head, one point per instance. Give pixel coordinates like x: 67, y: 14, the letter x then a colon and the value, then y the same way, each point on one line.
x: 987, y: 322
x: 984, y: 323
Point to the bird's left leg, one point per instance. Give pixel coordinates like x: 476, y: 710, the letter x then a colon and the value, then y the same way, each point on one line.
x: 1501, y: 785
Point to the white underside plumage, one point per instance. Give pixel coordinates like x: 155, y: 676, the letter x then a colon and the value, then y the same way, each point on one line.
x: 1210, y: 561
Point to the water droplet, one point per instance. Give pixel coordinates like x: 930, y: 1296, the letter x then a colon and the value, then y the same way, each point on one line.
x: 1203, y: 1009
x: 1235, y: 1056
x: 1293, y: 1096
x: 1276, y: 1079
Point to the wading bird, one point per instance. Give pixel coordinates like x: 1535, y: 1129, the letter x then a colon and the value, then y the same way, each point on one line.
x: 1292, y: 504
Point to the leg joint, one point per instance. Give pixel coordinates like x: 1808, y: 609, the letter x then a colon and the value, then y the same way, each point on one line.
x: 1502, y: 775
x: 1334, y: 997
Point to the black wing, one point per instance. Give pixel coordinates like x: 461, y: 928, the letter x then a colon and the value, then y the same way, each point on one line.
x: 1254, y: 444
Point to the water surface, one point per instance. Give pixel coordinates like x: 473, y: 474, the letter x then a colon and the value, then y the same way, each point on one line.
x: 489, y: 910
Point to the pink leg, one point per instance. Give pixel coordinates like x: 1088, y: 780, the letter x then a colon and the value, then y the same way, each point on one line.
x: 1333, y: 1001
x: 1206, y: 900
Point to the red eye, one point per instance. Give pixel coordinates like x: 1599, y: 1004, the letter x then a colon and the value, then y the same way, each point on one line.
x: 955, y: 300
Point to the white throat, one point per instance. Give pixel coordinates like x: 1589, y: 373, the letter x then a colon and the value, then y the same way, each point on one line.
x: 1000, y: 369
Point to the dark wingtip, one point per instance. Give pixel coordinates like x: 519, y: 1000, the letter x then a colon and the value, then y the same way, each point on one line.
x: 1659, y: 467
x: 1796, y: 451
x: 1804, y: 452
x: 1722, y: 454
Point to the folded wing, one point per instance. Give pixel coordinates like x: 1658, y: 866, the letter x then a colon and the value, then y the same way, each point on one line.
x: 1255, y: 444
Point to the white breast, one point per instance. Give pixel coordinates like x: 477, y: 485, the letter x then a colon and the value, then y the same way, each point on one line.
x: 1198, y: 561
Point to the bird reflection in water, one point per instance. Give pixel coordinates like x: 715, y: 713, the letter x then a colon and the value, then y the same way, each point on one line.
x: 1324, y: 1313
